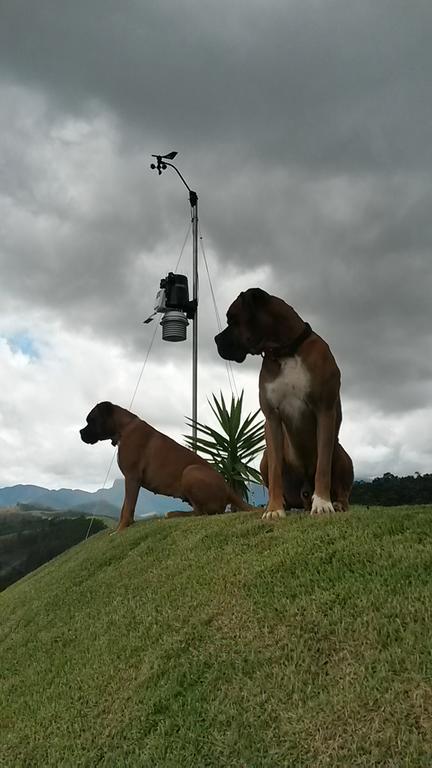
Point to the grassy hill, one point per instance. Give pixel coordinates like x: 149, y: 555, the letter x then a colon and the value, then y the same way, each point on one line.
x: 226, y: 642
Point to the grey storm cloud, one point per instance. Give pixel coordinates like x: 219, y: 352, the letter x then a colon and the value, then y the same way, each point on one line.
x: 303, y: 125
x: 336, y: 85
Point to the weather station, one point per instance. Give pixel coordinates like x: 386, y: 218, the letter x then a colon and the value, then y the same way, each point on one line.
x: 172, y: 299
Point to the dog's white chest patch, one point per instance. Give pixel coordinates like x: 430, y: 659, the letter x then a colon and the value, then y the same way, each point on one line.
x: 288, y: 392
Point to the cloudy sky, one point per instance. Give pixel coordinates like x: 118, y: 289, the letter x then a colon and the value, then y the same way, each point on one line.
x: 305, y: 127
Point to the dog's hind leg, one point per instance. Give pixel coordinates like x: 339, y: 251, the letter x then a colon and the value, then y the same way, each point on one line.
x: 205, y: 490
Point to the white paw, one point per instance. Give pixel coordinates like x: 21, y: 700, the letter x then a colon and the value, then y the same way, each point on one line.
x: 321, y: 506
x: 273, y: 514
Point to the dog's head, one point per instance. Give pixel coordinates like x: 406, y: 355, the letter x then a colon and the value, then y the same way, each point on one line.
x: 100, y: 424
x: 249, y: 326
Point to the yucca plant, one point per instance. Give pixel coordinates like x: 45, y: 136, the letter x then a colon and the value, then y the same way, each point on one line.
x: 231, y: 450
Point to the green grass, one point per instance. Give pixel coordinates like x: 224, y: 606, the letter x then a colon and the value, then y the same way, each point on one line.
x: 226, y: 642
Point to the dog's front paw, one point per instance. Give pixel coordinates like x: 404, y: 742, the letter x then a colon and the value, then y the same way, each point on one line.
x: 339, y: 506
x: 273, y: 514
x: 321, y: 506
x: 121, y: 527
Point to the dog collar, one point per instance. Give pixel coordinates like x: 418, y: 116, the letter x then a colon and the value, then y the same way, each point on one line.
x: 290, y: 349
x: 118, y: 435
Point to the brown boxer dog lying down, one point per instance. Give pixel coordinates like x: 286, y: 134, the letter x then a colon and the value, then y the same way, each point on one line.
x: 149, y: 459
x: 299, y: 392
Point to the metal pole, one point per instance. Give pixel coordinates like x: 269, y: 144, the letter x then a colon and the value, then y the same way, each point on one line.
x: 193, y: 197
x: 161, y: 165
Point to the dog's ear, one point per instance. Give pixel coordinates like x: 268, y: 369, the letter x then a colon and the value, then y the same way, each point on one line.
x: 254, y: 299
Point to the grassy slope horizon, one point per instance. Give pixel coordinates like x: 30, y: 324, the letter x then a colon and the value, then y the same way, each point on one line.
x: 226, y: 641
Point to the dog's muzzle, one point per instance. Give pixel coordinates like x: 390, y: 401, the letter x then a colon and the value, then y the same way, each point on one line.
x: 87, y: 436
x: 229, y: 349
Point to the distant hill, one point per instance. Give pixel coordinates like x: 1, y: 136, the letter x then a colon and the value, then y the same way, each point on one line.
x: 27, y: 541
x: 105, y: 501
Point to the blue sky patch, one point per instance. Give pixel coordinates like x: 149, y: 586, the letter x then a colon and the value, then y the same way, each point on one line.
x: 25, y: 343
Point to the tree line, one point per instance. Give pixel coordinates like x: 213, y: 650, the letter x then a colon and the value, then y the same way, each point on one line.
x: 391, y: 490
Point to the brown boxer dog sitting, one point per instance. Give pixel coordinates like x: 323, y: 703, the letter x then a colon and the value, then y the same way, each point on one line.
x: 149, y: 459
x: 299, y: 392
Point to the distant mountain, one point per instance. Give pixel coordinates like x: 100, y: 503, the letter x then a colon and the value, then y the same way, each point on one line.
x: 106, y: 501
x: 24, y: 493
x: 97, y: 508
x: 64, y: 498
